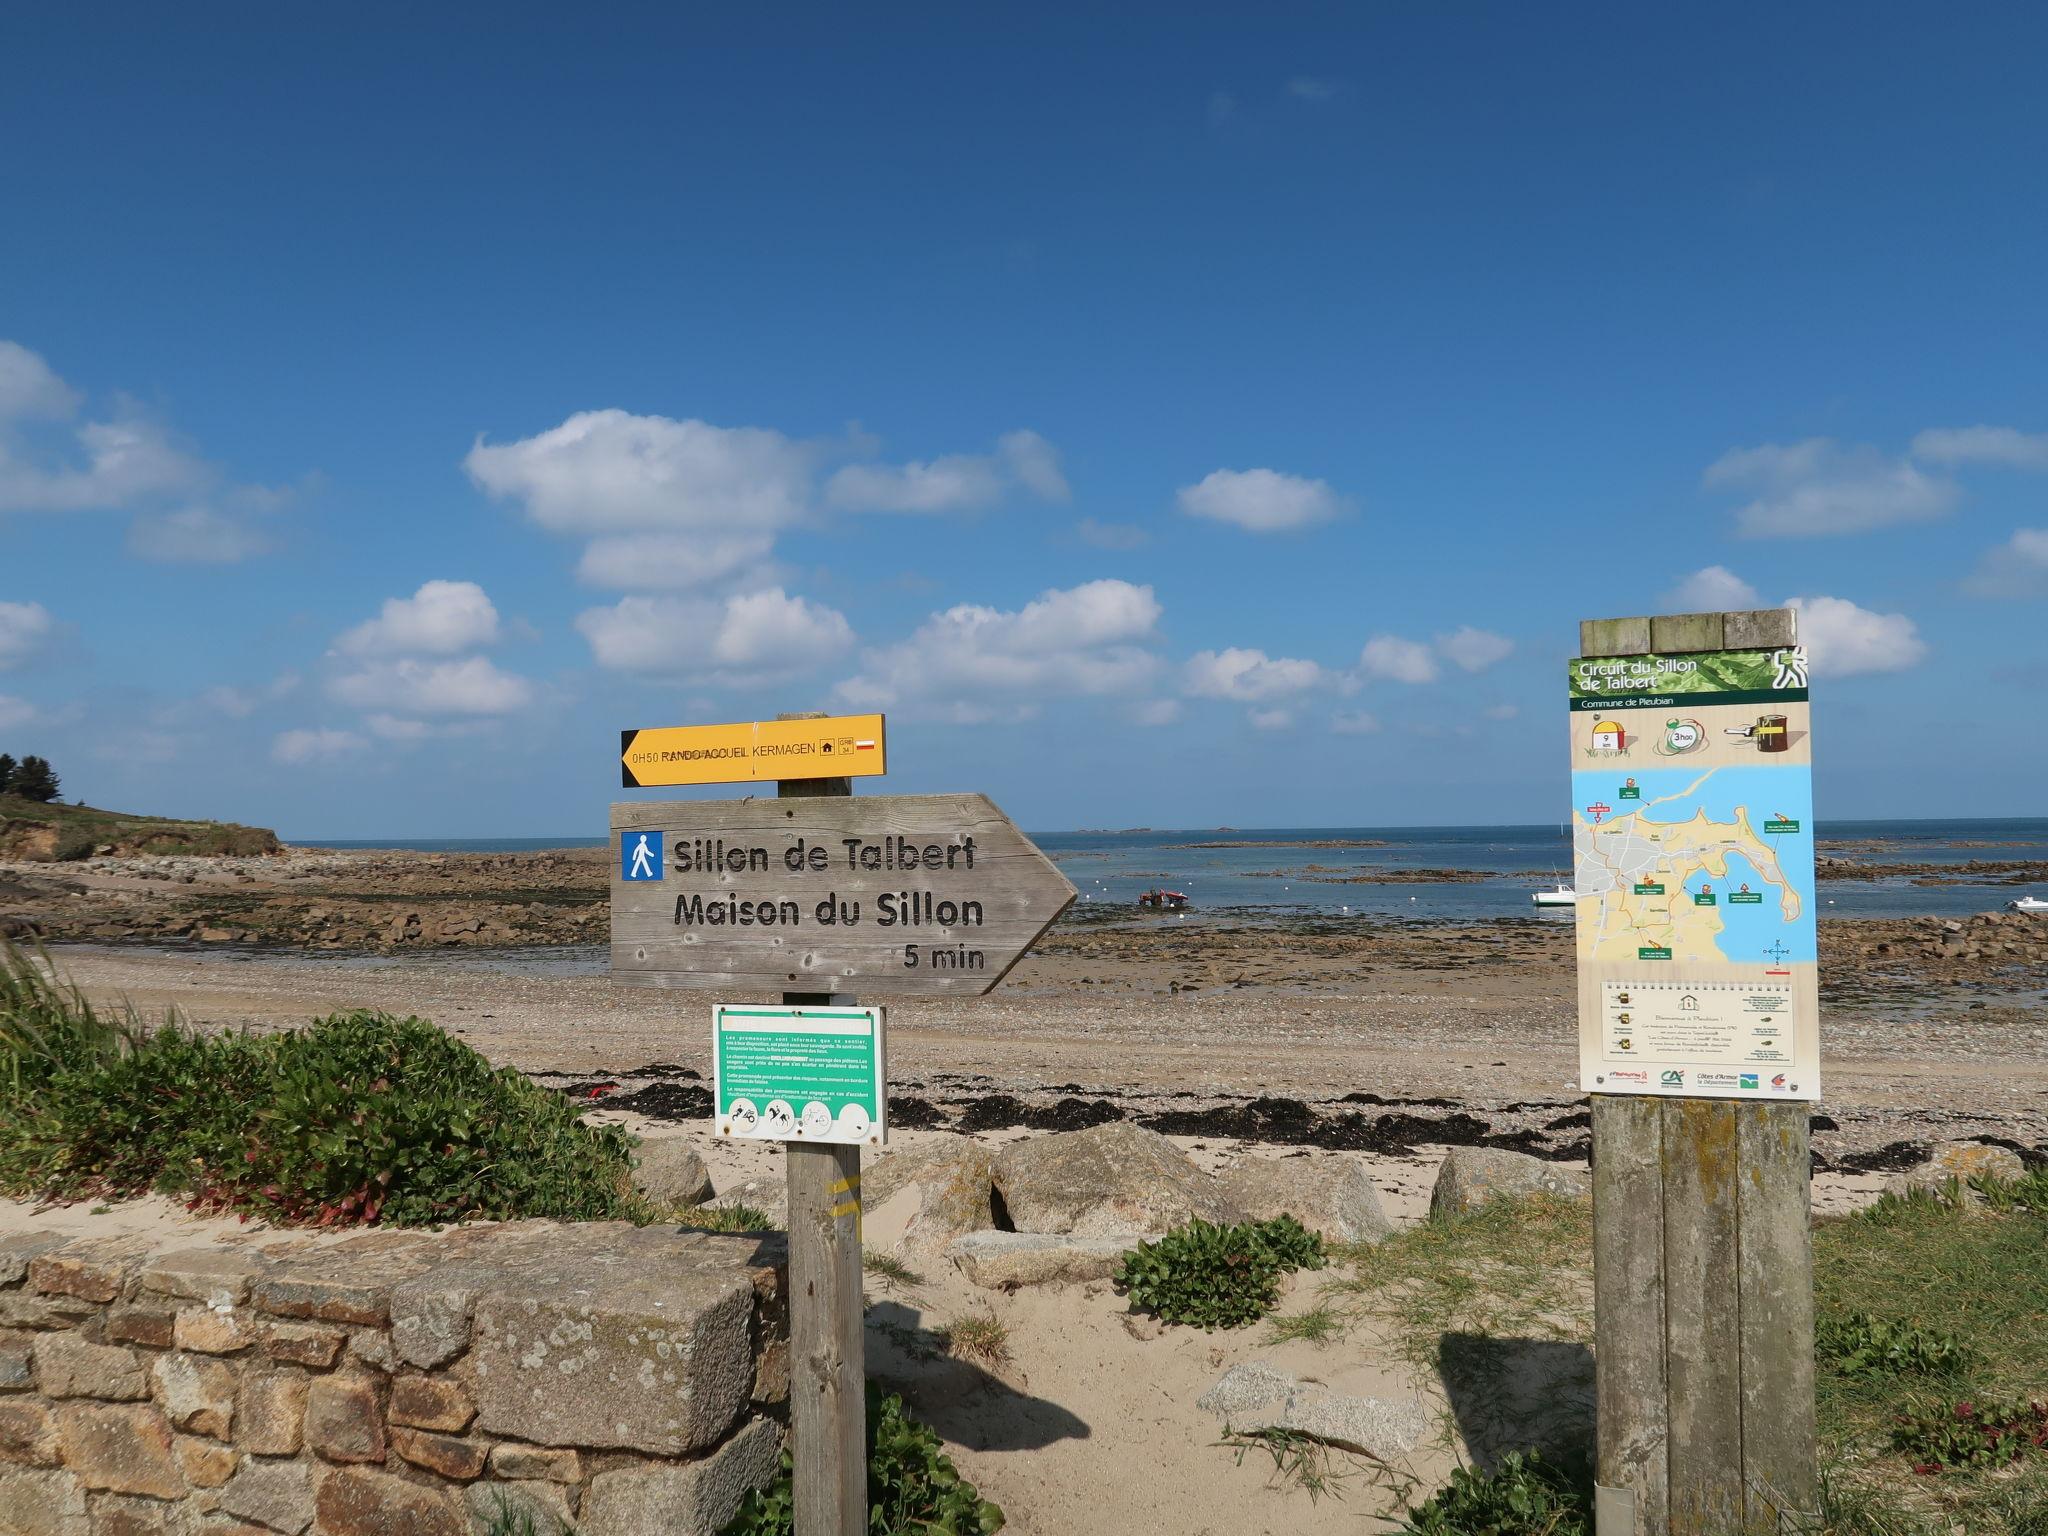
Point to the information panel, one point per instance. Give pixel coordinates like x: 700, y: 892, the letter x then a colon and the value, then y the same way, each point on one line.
x: 1692, y: 822
x: 800, y: 1074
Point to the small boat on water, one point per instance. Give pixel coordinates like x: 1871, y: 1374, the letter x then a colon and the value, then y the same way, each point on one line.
x: 1562, y: 896
x: 2027, y: 904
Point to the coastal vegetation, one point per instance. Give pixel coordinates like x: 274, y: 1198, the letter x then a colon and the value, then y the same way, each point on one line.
x: 1932, y: 1359
x: 913, y: 1487
x: 38, y: 827
x: 1213, y: 1276
x: 357, y: 1118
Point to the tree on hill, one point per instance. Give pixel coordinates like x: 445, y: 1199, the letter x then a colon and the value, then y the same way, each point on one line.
x: 7, y: 767
x: 33, y: 779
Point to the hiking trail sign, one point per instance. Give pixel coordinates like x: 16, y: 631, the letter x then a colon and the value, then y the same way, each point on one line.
x: 821, y: 747
x: 905, y: 895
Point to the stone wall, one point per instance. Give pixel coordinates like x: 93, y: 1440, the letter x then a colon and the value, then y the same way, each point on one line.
x: 390, y: 1383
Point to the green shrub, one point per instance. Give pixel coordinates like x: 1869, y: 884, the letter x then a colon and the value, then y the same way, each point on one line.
x: 913, y: 1487
x: 1857, y: 1344
x: 359, y: 1118
x: 1973, y: 1434
x: 1215, y: 1276
x: 1523, y: 1496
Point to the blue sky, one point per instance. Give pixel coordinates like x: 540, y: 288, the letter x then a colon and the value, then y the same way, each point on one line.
x: 1170, y: 416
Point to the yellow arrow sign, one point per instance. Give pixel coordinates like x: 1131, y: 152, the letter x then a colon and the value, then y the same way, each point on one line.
x: 834, y: 747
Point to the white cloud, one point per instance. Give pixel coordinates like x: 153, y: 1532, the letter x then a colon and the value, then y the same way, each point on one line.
x: 1983, y: 445
x: 955, y: 483
x: 1474, y: 650
x: 1844, y: 640
x: 1820, y: 486
x: 28, y: 387
x: 1260, y: 500
x: 1271, y: 719
x: 471, y: 686
x: 298, y: 748
x: 613, y: 472
x: 196, y: 536
x: 15, y: 711
x: 1156, y: 712
x: 1247, y: 675
x: 976, y: 663
x: 1710, y: 589
x: 127, y: 461
x: 25, y: 628
x: 1397, y: 660
x: 639, y: 561
x: 1502, y: 711
x: 2016, y: 568
x: 1035, y: 464
x: 440, y: 619
x: 754, y: 636
x: 951, y: 484
x: 1356, y: 722
x: 1116, y: 536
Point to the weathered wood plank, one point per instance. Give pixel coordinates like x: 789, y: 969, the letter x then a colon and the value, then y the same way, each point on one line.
x: 1779, y: 1433
x: 828, y: 1372
x: 1702, y: 1317
x: 1628, y: 1302
x: 768, y: 895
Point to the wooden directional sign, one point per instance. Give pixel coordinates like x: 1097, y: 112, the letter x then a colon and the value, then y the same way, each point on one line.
x: 823, y: 747
x: 907, y: 895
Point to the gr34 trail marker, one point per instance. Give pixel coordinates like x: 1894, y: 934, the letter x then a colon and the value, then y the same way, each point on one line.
x: 829, y: 747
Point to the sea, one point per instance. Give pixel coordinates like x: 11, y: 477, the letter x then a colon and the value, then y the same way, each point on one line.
x: 1292, y: 871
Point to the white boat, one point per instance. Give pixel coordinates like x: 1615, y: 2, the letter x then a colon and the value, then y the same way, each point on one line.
x: 2027, y: 904
x: 1563, y: 896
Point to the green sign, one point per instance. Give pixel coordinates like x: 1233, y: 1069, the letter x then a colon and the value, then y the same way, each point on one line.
x: 1746, y: 899
x: 1653, y: 952
x: 1649, y: 888
x: 800, y: 1074
x: 1704, y: 899
x: 1781, y: 824
x: 1631, y: 791
x: 1705, y: 677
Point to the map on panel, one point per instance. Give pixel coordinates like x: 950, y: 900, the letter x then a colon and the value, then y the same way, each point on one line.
x: 1696, y: 863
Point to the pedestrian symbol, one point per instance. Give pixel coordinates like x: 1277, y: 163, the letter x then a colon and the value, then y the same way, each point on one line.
x: 640, y: 856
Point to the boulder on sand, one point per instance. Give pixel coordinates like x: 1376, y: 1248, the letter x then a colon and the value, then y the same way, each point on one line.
x: 1334, y: 1196
x: 1002, y: 1261
x: 948, y: 1186
x: 668, y: 1171
x: 1255, y: 1396
x: 1471, y: 1176
x: 1957, y: 1161
x: 1106, y: 1181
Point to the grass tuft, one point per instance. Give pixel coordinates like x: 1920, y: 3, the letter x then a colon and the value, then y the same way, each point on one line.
x: 1318, y: 1325
x: 724, y: 1216
x: 982, y: 1341
x: 1299, y: 1460
x: 889, y: 1267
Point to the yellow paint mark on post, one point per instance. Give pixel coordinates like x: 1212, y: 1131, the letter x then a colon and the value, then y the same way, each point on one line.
x: 830, y: 747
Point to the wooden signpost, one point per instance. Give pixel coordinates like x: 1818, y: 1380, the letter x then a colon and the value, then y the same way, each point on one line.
x: 1700, y: 1050
x: 886, y: 895
x: 818, y: 895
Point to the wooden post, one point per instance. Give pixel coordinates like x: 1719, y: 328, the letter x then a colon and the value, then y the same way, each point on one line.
x: 1703, y: 1264
x: 827, y: 1367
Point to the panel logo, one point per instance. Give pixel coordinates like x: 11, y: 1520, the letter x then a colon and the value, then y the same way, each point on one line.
x: 1672, y: 1077
x: 639, y: 856
x: 1750, y: 1082
x: 1620, y: 1076
x: 1778, y: 1082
